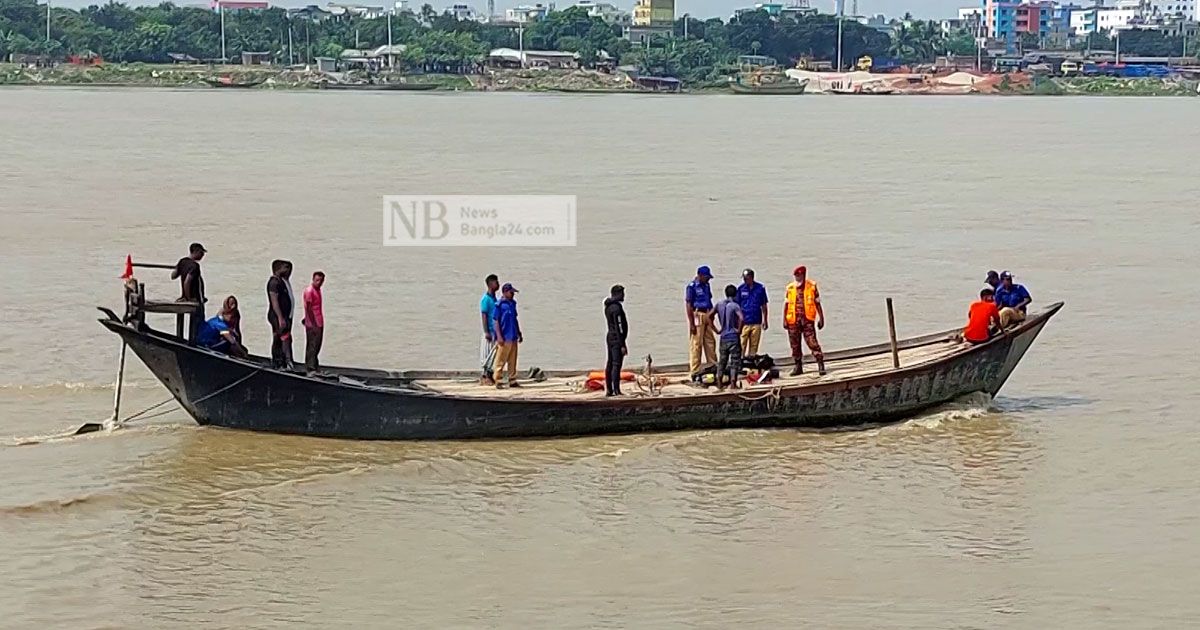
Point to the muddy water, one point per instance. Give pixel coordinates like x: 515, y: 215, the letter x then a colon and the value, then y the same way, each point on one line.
x: 1069, y: 500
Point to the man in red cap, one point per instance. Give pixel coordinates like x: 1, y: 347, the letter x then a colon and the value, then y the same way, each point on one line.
x: 802, y: 318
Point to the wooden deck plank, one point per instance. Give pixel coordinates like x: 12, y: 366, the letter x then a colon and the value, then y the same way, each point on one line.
x: 565, y: 388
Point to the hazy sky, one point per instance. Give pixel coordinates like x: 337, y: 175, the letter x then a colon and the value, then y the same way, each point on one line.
x: 699, y: 8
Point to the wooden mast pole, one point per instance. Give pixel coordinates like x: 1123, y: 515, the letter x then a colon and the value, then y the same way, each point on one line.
x: 892, y: 334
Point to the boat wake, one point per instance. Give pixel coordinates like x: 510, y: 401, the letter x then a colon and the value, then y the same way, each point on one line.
x: 53, y: 506
x: 72, y: 386
x: 70, y: 436
x: 969, y: 407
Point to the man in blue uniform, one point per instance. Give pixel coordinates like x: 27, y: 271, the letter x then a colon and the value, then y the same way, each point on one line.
x: 752, y: 297
x: 1012, y: 299
x: 698, y: 305
x: 507, y: 332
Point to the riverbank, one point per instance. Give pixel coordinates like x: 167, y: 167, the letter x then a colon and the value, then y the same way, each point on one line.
x: 576, y: 81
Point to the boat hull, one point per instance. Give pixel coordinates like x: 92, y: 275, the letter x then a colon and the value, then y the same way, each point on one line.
x: 221, y: 391
x: 783, y: 89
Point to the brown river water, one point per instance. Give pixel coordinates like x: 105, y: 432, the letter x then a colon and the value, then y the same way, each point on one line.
x: 1069, y: 501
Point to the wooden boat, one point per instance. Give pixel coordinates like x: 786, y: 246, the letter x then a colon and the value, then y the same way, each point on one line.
x: 861, y: 388
x: 781, y: 88
x: 228, y: 82
x: 385, y: 87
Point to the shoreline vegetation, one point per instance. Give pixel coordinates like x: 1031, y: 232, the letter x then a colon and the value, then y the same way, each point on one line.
x: 119, y: 45
x: 146, y: 75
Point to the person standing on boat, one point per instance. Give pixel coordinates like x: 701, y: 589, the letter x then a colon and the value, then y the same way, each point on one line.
x: 507, y: 331
x: 487, y: 344
x: 314, y: 322
x: 191, y: 285
x: 730, y: 315
x: 1012, y: 300
x: 279, y: 314
x: 698, y: 305
x: 618, y: 332
x: 752, y: 297
x: 803, y: 316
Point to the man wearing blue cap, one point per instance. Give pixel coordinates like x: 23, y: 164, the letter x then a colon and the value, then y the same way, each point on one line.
x: 507, y: 335
x: 698, y: 305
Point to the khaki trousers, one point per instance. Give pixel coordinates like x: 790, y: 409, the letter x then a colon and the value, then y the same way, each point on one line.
x: 506, y: 355
x: 751, y: 336
x: 1009, y: 315
x: 705, y: 340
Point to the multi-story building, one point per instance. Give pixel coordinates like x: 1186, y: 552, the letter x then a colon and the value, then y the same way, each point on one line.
x: 464, y: 13
x: 1007, y: 20
x: 604, y: 10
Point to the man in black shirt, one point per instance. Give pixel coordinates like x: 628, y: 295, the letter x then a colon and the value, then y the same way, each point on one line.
x: 191, y: 285
x: 618, y: 332
x: 279, y: 314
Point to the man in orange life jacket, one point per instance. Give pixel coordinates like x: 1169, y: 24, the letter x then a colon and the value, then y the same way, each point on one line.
x: 803, y: 317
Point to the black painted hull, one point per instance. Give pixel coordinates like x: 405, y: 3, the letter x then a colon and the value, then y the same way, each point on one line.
x: 221, y: 391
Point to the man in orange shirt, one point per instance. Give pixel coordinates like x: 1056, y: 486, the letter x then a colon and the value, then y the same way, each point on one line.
x: 981, y: 317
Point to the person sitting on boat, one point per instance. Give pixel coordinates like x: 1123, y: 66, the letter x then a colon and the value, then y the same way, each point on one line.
x: 1012, y: 299
x: 191, y: 284
x: 508, y: 336
x: 234, y: 320
x: 803, y: 316
x: 983, y: 318
x: 216, y: 334
x: 730, y: 315
x: 992, y: 280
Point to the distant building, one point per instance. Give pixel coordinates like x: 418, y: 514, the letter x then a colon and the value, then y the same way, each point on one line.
x: 256, y: 58
x: 610, y: 13
x: 654, y: 13
x: 1007, y: 20
x: 464, y: 13
x: 525, y: 14
x: 795, y: 10
x: 510, y: 58
x: 237, y: 5
x: 355, y: 10
x: 311, y: 12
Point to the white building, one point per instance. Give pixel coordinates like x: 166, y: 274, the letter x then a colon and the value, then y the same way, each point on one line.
x: 464, y: 13
x: 1185, y: 9
x: 524, y: 14
x: 605, y: 11
x: 970, y: 13
x: 356, y: 10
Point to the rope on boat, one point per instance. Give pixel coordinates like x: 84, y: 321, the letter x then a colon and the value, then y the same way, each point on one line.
x: 222, y: 390
x: 774, y: 394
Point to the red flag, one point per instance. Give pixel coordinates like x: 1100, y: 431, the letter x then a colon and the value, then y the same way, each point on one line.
x: 128, y: 267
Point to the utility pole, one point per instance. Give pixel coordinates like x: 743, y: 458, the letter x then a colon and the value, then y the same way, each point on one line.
x: 47, y: 21
x: 521, y: 39
x: 389, y: 25
x: 685, y: 21
x: 1117, y: 32
x: 839, y: 42
x: 221, y: 10
x: 291, y: 51
x: 307, y: 43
